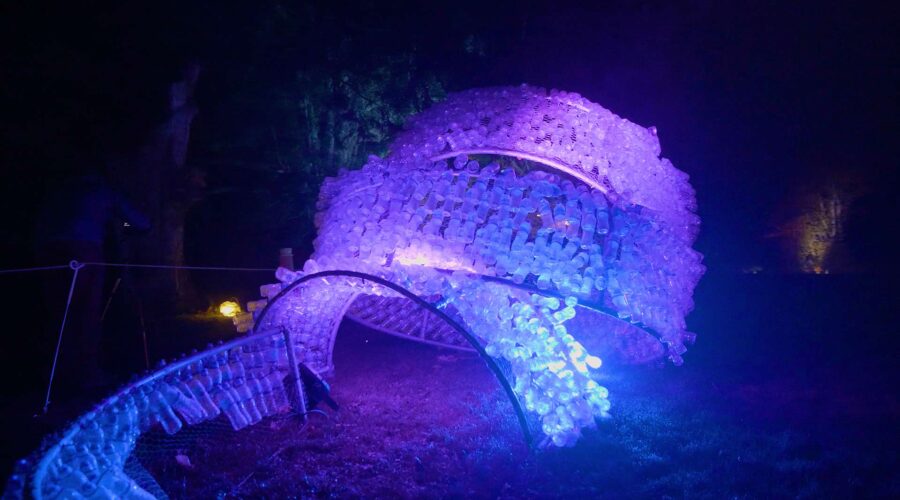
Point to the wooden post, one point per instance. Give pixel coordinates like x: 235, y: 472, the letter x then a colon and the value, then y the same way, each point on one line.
x: 286, y: 258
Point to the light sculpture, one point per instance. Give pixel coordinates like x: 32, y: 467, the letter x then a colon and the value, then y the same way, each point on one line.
x: 586, y: 248
x: 597, y: 220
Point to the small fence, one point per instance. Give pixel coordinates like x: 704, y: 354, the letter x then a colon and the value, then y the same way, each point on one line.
x: 76, y: 266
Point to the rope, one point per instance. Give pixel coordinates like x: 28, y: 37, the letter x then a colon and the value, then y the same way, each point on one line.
x: 29, y: 269
x: 143, y: 266
x: 489, y: 361
x: 75, y: 266
x: 194, y: 268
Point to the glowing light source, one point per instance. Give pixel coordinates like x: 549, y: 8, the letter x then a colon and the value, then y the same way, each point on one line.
x: 229, y: 309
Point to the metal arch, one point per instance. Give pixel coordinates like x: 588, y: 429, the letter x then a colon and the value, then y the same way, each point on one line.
x: 522, y: 155
x: 520, y: 413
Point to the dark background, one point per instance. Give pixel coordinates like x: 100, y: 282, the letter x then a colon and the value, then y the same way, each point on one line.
x: 764, y: 104
x: 757, y: 101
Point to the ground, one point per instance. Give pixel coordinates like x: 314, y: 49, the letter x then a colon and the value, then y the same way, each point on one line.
x: 789, y: 392
x: 416, y: 421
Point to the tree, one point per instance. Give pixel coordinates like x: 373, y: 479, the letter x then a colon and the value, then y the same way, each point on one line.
x: 276, y: 130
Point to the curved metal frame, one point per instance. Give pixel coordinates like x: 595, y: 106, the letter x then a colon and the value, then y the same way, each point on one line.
x: 492, y: 365
x: 558, y: 165
x: 404, y: 336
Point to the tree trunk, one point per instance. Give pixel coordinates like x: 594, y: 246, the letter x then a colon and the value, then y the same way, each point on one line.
x: 166, y: 188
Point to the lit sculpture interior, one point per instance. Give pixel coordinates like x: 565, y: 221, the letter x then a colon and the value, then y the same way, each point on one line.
x: 546, y: 226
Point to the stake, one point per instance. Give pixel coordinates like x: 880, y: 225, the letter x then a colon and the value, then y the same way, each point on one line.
x: 75, y: 266
x: 140, y: 306
x: 295, y: 372
x: 109, y: 300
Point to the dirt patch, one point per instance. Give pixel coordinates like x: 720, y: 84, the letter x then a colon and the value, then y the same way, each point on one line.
x: 416, y: 421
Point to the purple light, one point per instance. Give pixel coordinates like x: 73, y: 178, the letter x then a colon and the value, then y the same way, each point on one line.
x: 603, y: 222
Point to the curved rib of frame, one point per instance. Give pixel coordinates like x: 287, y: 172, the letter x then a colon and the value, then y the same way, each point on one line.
x: 558, y: 165
x: 491, y: 363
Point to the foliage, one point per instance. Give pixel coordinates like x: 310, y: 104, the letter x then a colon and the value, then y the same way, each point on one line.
x: 344, y: 118
x: 276, y: 126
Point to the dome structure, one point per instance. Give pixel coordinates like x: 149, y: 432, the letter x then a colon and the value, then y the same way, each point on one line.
x: 546, y: 224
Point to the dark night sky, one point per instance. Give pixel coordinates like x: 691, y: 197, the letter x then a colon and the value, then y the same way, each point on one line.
x: 760, y: 102
x: 753, y: 99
